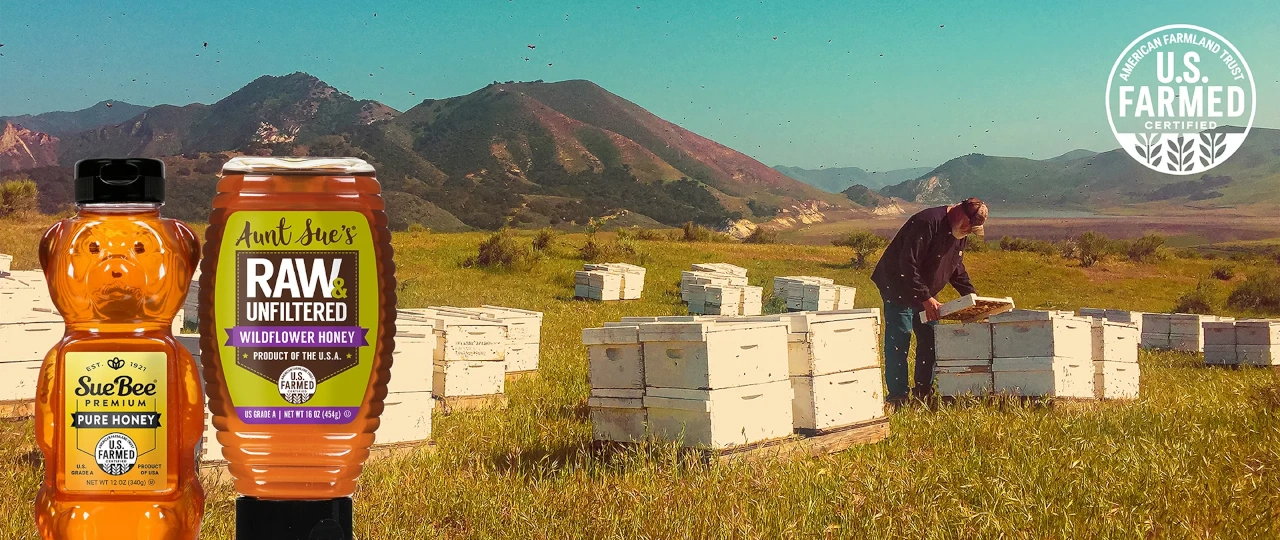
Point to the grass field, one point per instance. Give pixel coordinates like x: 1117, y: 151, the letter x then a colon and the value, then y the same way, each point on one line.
x: 1197, y: 456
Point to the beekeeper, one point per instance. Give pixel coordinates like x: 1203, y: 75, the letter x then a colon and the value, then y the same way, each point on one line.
x: 925, y: 255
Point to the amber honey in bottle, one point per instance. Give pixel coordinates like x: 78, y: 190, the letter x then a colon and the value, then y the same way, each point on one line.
x: 119, y: 408
x: 297, y: 308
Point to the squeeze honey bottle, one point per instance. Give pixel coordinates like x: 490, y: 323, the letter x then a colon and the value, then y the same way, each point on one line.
x: 297, y: 315
x: 119, y: 408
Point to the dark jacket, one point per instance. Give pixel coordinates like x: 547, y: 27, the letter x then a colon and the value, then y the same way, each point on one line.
x: 922, y: 259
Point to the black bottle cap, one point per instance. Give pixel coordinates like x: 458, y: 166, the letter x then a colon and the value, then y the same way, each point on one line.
x: 262, y: 519
x: 119, y: 180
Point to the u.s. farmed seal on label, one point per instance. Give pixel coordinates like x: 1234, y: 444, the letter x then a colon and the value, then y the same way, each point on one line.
x: 116, y: 453
x: 1181, y: 99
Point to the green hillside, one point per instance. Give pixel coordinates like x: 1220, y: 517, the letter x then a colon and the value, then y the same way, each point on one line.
x: 1106, y: 179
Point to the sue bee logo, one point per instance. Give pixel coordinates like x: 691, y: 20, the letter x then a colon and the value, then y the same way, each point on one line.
x: 115, y: 363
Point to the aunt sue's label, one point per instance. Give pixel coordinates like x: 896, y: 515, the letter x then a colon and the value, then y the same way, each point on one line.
x: 117, y: 406
x: 296, y: 301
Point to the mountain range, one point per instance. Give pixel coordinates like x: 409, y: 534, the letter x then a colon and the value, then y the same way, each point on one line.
x: 566, y: 154
x: 527, y: 154
x: 1090, y: 180
x: 838, y: 179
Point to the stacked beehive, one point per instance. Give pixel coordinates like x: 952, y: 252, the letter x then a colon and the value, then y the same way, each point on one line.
x: 1116, y: 372
x: 1133, y: 318
x: 809, y: 293
x: 964, y: 358
x: 406, y: 416
x: 629, y: 278
x: 1246, y: 342
x: 597, y: 285
x: 29, y: 327
x: 834, y: 365
x: 696, y: 380
x: 719, y: 289
x: 727, y: 300
x: 716, y: 384
x: 616, y: 366
x: 1042, y: 353
x: 469, y: 355
x: 1176, y: 331
x: 524, y: 333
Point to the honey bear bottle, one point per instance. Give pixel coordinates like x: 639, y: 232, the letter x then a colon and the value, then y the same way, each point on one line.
x: 119, y: 407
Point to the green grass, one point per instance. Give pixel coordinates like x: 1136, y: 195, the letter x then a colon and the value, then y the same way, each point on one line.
x: 1197, y: 456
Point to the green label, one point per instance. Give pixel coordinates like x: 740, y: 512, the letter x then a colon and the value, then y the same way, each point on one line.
x: 296, y: 304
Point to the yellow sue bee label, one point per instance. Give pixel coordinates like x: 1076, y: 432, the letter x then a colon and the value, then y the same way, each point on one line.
x: 116, y: 421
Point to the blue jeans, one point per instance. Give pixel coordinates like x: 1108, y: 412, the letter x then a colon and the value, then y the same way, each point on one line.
x: 899, y: 322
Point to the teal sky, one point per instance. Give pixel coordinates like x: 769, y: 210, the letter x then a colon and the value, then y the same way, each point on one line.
x: 789, y: 83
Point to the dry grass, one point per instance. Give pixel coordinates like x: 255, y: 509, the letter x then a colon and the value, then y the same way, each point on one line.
x: 1198, y: 456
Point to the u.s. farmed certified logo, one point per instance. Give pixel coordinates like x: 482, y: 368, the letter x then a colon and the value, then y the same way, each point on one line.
x: 1180, y: 99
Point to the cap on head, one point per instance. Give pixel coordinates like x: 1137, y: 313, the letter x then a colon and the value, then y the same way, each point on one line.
x: 119, y: 180
x: 976, y: 211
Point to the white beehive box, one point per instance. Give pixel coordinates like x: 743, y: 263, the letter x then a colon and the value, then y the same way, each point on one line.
x: 818, y: 297
x: 1044, y: 376
x: 18, y: 379
x: 28, y: 340
x: 614, y: 356
x: 617, y: 418
x: 1114, y: 342
x: 632, y: 277
x: 1253, y: 332
x: 1258, y: 355
x: 211, y: 449
x: 1219, y: 342
x: 461, y: 338
x: 524, y: 333
x: 964, y: 341
x: 963, y: 377
x: 752, y: 300
x: 466, y: 378
x: 412, y: 360
x: 1049, y: 336
x: 1116, y: 380
x: 708, y: 354
x: 823, y: 343
x: 6, y: 262
x: 837, y: 399
x: 406, y: 417
x: 593, y: 285
x: 720, y: 268
x: 723, y: 417
x: 1156, y: 323
x: 844, y: 297
x: 1097, y: 313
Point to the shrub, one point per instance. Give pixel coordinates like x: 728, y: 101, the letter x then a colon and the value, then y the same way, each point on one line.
x: 418, y: 228
x: 1223, y: 272
x: 501, y: 250
x: 1197, y: 300
x: 651, y: 234
x: 762, y: 236
x: 1043, y: 247
x: 697, y: 233
x: 1259, y: 292
x: 863, y: 243
x: 1091, y: 247
x: 977, y: 244
x: 1144, y: 249
x: 1190, y: 253
x: 18, y: 197
x: 545, y: 239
